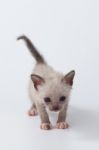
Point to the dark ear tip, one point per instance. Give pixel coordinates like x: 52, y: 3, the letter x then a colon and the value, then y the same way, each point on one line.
x: 31, y: 76
x: 73, y: 71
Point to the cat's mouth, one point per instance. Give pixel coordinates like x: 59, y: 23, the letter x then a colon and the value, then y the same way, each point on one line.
x: 55, y: 109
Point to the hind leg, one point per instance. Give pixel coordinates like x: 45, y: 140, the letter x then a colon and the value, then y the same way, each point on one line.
x: 33, y: 111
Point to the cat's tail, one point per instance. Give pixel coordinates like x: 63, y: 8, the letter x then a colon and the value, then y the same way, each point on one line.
x: 39, y: 58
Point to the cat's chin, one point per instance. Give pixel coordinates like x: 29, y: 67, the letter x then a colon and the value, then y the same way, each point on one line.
x: 54, y: 111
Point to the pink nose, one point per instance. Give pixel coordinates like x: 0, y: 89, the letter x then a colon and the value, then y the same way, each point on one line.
x: 55, y: 107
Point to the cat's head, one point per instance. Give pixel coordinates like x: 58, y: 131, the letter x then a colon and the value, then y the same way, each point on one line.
x: 54, y: 93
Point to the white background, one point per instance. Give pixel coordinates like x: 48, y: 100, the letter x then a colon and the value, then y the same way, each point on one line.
x: 67, y: 34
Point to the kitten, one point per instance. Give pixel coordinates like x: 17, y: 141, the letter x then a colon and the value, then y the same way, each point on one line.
x: 48, y: 89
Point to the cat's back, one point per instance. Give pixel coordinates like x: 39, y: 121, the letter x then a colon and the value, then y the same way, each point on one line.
x: 44, y: 71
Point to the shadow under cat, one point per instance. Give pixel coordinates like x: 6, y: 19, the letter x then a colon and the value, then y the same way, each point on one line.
x: 85, y: 122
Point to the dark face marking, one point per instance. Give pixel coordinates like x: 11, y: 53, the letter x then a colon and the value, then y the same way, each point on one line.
x: 62, y: 98
x: 55, y: 108
x: 47, y: 99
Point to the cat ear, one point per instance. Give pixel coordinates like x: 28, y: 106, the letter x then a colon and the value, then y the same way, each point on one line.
x: 68, y: 78
x: 37, y: 80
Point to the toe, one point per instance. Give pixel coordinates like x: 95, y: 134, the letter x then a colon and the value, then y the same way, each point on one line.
x: 62, y: 125
x: 32, y: 113
x: 45, y: 126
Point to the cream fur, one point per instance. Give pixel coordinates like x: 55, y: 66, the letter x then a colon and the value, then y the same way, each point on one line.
x: 48, y: 83
x: 53, y: 86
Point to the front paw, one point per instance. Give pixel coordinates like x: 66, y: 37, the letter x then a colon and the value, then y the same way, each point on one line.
x: 45, y: 126
x: 62, y: 125
x: 32, y: 112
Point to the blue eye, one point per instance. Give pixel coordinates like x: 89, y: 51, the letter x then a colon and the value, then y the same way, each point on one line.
x: 62, y: 98
x: 47, y: 99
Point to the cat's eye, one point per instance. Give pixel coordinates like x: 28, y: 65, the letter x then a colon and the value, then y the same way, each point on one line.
x: 47, y: 99
x: 62, y: 98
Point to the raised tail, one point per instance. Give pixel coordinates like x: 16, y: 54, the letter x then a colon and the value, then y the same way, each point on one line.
x: 39, y: 58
